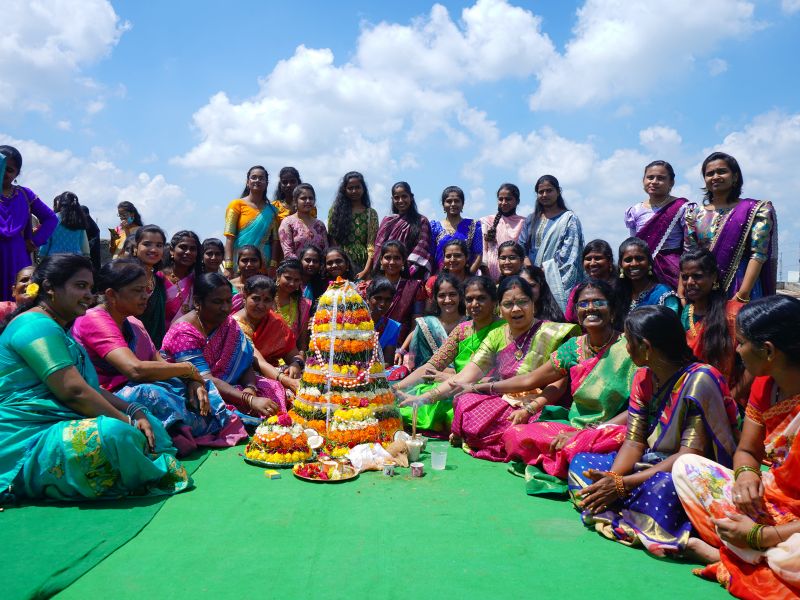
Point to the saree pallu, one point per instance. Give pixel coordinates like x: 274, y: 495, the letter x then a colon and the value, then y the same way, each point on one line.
x: 180, y: 298
x: 271, y: 337
x: 658, y: 231
x: 658, y: 295
x: 694, y: 410
x: 706, y: 489
x: 468, y: 230
x: 748, y: 230
x: 295, y: 315
x: 154, y: 316
x: 396, y: 227
x: 249, y: 226
x: 427, y: 338
x: 559, y: 255
x: 481, y: 419
x: 600, y: 387
x: 226, y: 354
x: 49, y: 451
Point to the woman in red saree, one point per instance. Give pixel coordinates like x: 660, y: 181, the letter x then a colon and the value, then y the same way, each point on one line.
x: 709, y: 319
x: 749, y: 519
x: 274, y: 341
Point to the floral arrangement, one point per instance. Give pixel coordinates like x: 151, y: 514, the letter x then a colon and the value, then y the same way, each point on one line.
x: 279, y: 440
x: 343, y: 392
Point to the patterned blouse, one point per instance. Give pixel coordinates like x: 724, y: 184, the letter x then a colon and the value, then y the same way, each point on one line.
x: 360, y: 243
x: 703, y: 223
x: 294, y: 234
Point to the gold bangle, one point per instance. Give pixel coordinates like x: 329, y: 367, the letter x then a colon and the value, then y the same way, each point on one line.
x: 619, y: 484
x: 227, y: 264
x: 740, y: 299
x: 739, y: 470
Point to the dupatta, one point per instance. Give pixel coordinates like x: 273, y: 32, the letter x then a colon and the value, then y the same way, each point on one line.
x: 273, y: 338
x: 656, y: 232
x: 226, y: 354
x: 258, y: 232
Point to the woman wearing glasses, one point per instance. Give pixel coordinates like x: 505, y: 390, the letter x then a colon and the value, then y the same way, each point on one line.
x: 600, y: 371
x: 525, y: 343
x: 250, y: 220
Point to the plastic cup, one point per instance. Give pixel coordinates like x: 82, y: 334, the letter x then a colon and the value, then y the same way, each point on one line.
x: 414, y: 449
x: 439, y: 458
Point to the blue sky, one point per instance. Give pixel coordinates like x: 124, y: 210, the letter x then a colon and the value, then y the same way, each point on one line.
x: 167, y: 104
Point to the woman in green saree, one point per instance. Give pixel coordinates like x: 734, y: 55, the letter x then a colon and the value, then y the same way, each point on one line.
x: 62, y: 437
x: 480, y: 294
x: 599, y: 371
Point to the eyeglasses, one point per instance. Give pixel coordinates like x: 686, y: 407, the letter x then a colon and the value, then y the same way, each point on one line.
x: 520, y: 303
x: 599, y: 303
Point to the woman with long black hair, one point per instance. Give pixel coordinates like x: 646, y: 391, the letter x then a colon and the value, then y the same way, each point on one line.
x: 353, y: 223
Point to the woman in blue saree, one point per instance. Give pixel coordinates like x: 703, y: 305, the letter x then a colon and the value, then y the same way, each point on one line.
x: 456, y: 227
x: 62, y: 437
x: 677, y: 406
x: 250, y: 220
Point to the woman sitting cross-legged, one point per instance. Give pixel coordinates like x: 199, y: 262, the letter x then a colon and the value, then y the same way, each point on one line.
x: 749, y: 519
x: 271, y: 336
x: 63, y: 437
x: 129, y: 365
x: 678, y: 406
x: 209, y: 337
x: 480, y: 296
x: 522, y: 345
x: 600, y: 372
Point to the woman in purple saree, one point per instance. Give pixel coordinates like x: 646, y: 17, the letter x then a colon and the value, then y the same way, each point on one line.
x: 520, y: 346
x: 17, y: 238
x: 660, y: 221
x: 409, y: 227
x: 742, y: 233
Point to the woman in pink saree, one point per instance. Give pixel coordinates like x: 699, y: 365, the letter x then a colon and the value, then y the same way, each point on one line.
x: 520, y: 346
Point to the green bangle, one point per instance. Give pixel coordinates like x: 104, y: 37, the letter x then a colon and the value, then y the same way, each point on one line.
x: 743, y: 468
x: 754, y: 537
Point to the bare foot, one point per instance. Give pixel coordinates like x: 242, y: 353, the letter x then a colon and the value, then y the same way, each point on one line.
x: 455, y: 440
x: 697, y: 549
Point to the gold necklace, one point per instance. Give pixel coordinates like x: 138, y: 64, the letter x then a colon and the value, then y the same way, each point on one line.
x: 519, y: 352
x: 185, y: 308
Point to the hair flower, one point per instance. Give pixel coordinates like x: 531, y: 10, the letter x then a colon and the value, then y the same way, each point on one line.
x: 32, y: 290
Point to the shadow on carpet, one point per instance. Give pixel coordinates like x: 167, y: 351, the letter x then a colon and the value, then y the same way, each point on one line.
x: 47, y: 546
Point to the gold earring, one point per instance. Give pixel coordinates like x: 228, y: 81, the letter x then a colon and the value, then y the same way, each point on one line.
x: 715, y: 286
x: 621, y: 274
x: 649, y: 270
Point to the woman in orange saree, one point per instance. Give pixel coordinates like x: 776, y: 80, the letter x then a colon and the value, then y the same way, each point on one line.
x: 748, y: 519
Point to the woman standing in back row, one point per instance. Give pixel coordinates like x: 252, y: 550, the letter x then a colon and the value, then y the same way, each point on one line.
x: 660, y: 221
x: 250, y: 220
x: 742, y: 233
x: 353, y: 223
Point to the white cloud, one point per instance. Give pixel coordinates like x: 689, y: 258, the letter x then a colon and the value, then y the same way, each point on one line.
x: 401, y: 88
x: 624, y: 49
x: 101, y: 185
x: 45, y: 46
x: 717, y: 66
x: 790, y: 6
x: 660, y: 140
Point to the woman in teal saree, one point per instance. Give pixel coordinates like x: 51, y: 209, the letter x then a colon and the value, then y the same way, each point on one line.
x: 480, y: 295
x: 62, y: 437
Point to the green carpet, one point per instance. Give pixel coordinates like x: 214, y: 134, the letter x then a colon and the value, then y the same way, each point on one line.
x: 45, y: 547
x: 468, y: 532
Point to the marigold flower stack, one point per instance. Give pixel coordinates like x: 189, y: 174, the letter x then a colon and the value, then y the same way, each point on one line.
x: 343, y: 392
